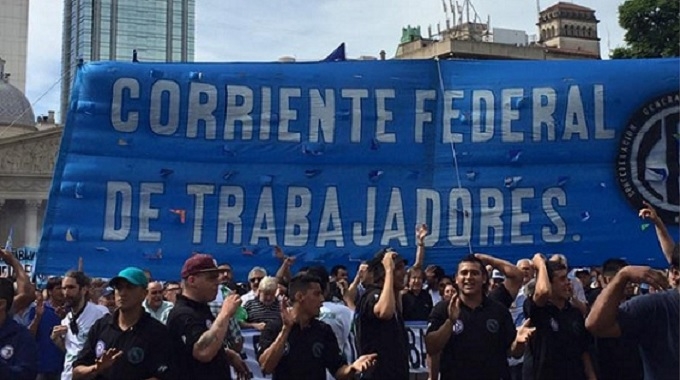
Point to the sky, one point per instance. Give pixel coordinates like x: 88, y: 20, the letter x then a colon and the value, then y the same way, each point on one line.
x: 239, y: 30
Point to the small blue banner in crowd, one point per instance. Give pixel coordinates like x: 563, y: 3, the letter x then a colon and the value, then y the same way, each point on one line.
x: 332, y: 161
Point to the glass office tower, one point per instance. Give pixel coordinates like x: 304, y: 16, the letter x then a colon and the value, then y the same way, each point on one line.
x: 104, y: 30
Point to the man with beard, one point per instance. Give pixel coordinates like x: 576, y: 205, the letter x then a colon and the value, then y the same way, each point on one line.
x: 472, y: 334
x: 70, y: 336
x: 301, y: 347
x: 128, y: 344
x: 198, y: 335
x: 380, y: 325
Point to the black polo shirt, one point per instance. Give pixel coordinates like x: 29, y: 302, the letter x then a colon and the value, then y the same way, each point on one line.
x: 308, y: 352
x: 556, y: 347
x: 479, y: 344
x: 416, y: 307
x: 146, y: 348
x: 387, y: 338
x: 187, y: 321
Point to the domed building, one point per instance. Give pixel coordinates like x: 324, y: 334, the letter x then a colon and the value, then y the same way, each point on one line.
x: 28, y: 150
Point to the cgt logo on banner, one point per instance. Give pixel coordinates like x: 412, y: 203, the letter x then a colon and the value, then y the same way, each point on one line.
x: 416, y: 340
x: 332, y: 161
x: 26, y: 256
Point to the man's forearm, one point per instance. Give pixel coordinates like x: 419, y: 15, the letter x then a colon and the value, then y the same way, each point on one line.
x: 602, y: 317
x: 85, y: 372
x: 665, y: 240
x: 271, y: 356
x: 211, y: 341
x: 436, y: 340
x: 386, y: 305
x: 543, y: 287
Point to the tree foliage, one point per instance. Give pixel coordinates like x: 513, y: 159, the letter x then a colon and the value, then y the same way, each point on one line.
x: 652, y: 29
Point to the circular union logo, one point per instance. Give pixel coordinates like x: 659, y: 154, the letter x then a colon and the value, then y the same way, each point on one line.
x: 647, y: 159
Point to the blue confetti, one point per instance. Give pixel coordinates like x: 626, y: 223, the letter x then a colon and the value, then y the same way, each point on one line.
x: 375, y: 144
x: 72, y: 234
x: 228, y: 150
x: 514, y: 155
x: 312, y: 173
x: 561, y: 181
x: 656, y: 174
x: 471, y: 175
x: 102, y: 249
x: 156, y: 74
x: 80, y: 190
x: 166, y: 172
x: 512, y: 182
x: 229, y: 174
x: 266, y: 179
x: 585, y: 216
x: 313, y: 149
x: 196, y: 75
x: 375, y: 175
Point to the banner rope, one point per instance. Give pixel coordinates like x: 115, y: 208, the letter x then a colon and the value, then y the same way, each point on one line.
x: 453, y: 145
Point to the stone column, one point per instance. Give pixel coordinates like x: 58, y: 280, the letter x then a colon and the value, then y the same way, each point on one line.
x: 31, y: 207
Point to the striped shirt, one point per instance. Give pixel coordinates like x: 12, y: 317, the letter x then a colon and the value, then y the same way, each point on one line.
x: 259, y: 312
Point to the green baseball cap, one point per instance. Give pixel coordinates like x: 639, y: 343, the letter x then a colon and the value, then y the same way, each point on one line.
x: 133, y: 275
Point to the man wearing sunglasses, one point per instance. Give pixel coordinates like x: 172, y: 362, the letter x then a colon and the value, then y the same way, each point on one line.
x: 254, y: 277
x: 70, y: 336
x: 196, y: 333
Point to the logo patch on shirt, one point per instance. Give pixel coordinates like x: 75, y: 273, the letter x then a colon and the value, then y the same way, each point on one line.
x: 208, y: 323
x: 492, y: 326
x: 317, y: 350
x: 99, y: 348
x: 555, y: 326
x: 135, y: 355
x: 458, y: 327
x: 7, y: 352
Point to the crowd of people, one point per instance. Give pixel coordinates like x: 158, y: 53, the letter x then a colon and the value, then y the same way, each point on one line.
x: 491, y: 319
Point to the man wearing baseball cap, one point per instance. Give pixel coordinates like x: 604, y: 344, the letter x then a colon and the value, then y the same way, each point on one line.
x: 197, y: 335
x: 127, y: 344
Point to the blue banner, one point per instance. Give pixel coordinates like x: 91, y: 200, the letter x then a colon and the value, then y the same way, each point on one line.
x: 331, y: 161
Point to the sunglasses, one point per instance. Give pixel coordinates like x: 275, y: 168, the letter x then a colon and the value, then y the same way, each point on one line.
x: 256, y: 279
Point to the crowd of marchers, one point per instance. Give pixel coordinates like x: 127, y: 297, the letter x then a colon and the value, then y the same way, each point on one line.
x: 534, y: 320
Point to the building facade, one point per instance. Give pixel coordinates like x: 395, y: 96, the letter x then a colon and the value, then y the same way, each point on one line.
x: 566, y: 31
x: 110, y: 30
x: 14, y: 40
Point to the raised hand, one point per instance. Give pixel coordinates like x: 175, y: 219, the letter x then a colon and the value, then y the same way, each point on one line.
x: 525, y: 332
x: 107, y: 359
x: 648, y: 212
x: 642, y: 274
x: 58, y: 332
x: 364, y: 362
x: 231, y: 304
x: 40, y: 307
x: 388, y: 260
x: 286, y: 316
x: 454, y: 307
x: 421, y: 233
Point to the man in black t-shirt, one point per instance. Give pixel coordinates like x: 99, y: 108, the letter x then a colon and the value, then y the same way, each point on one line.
x: 128, y: 344
x: 559, y: 346
x: 379, y: 322
x: 299, y: 346
x: 472, y: 334
x: 417, y: 302
x: 197, y: 335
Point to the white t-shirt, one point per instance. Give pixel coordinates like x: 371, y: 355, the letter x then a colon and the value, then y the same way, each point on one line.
x: 339, y: 317
x: 73, y: 343
x: 436, y: 297
x: 248, y: 297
